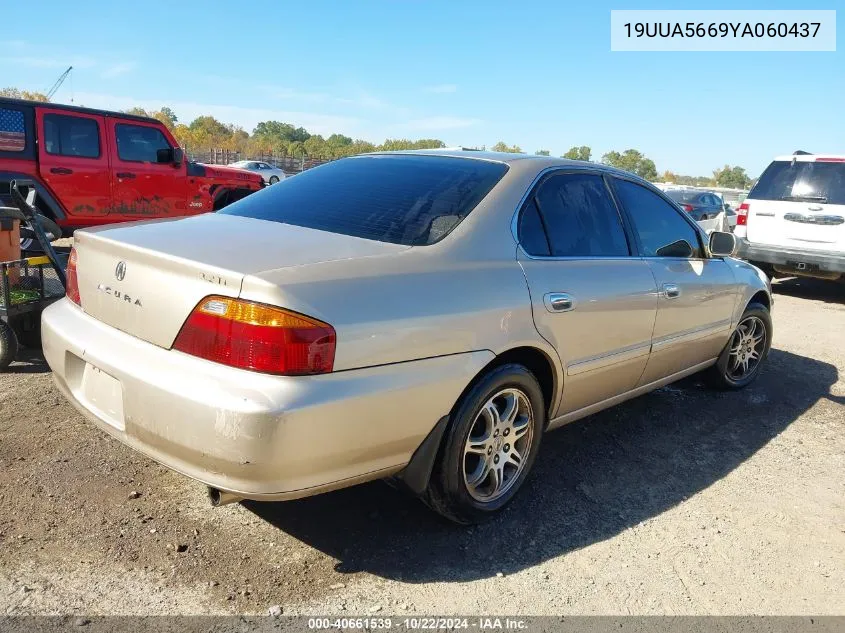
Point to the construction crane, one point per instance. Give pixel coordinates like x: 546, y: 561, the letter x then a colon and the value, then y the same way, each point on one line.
x: 58, y: 83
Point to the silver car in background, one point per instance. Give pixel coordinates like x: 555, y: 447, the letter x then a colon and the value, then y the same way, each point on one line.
x: 424, y: 315
x: 269, y: 173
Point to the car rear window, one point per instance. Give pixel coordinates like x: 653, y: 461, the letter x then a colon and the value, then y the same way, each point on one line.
x: 679, y: 195
x: 401, y: 199
x: 802, y: 181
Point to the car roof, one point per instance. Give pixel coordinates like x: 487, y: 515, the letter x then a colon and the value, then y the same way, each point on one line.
x: 812, y: 158
x: 539, y: 162
x: 72, y: 108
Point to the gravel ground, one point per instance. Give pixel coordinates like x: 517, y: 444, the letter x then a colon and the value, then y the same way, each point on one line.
x: 683, y: 501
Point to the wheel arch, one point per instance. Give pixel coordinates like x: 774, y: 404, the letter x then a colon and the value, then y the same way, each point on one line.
x: 762, y: 297
x: 417, y: 473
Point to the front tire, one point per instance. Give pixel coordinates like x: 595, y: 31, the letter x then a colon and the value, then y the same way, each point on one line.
x: 493, y: 439
x: 746, y: 350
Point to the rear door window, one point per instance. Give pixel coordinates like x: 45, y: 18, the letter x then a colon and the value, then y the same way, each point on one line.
x: 401, y: 199
x: 66, y: 135
x: 799, y: 181
x: 12, y: 131
x: 580, y: 217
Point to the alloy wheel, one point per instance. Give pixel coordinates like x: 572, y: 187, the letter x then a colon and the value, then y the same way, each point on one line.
x: 496, y: 450
x: 747, y: 346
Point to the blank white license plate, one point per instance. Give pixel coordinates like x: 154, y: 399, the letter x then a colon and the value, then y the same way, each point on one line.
x: 104, y: 395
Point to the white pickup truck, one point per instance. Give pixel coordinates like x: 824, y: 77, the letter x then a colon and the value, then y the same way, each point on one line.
x: 793, y: 221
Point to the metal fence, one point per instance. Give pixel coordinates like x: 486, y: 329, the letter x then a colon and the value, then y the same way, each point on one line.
x: 732, y: 197
x: 289, y: 164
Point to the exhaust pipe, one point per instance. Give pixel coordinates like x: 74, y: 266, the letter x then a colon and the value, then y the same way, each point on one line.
x: 219, y: 498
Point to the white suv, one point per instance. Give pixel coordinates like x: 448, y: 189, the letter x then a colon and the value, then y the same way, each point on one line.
x: 793, y: 221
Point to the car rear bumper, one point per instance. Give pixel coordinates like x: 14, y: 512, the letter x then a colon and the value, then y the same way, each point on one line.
x: 793, y: 260
x: 258, y: 436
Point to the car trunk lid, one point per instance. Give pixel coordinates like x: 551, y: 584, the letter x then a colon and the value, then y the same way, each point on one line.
x: 145, y: 278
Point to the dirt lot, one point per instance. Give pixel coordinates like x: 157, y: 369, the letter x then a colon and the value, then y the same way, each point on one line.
x: 682, y: 501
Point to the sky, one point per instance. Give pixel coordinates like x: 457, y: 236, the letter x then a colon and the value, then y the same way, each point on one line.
x: 536, y: 74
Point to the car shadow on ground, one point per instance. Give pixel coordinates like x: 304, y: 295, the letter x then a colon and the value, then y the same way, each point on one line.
x: 593, y: 479
x: 813, y: 289
x: 28, y: 361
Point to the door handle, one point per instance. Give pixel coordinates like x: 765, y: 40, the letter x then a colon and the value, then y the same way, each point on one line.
x: 61, y: 170
x: 815, y: 207
x: 125, y: 174
x: 558, y: 302
x: 671, y: 291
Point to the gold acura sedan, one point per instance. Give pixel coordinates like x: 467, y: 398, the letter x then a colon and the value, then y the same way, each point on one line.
x: 424, y: 316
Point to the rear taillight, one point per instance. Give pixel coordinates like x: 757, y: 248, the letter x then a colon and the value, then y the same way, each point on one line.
x: 830, y: 159
x: 688, y: 208
x: 258, y: 337
x: 742, y: 214
x: 72, y: 289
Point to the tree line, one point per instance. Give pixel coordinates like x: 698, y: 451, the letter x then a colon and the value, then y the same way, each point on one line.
x: 206, y: 133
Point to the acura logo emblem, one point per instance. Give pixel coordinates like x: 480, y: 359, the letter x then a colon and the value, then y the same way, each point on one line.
x: 120, y: 271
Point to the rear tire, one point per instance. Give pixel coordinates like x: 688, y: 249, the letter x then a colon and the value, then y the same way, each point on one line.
x: 8, y: 345
x: 490, y: 446
x: 274, y: 180
x: 746, y: 350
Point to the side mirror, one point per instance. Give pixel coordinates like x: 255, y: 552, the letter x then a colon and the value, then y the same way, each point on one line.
x: 170, y: 155
x: 722, y: 244
x: 681, y: 248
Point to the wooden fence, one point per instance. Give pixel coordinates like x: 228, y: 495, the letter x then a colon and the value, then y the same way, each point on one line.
x: 289, y: 164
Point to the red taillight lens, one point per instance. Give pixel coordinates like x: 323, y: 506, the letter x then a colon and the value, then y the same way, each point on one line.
x: 742, y: 215
x: 258, y: 337
x: 687, y: 207
x: 72, y: 289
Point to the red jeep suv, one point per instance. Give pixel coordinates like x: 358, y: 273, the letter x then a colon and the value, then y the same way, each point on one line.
x: 93, y: 167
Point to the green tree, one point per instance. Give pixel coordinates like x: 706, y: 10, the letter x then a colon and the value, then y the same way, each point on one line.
x: 732, y: 177
x: 501, y: 146
x: 633, y: 161
x: 315, y: 146
x: 277, y: 134
x: 582, y: 152
x: 542, y: 152
x: 14, y: 93
x: 166, y: 116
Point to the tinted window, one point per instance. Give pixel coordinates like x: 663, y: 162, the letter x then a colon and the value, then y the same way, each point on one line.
x: 580, y: 217
x: 532, y: 235
x: 805, y: 182
x: 413, y: 200
x: 12, y: 131
x: 657, y: 223
x: 679, y: 195
x: 71, y: 136
x: 139, y: 143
